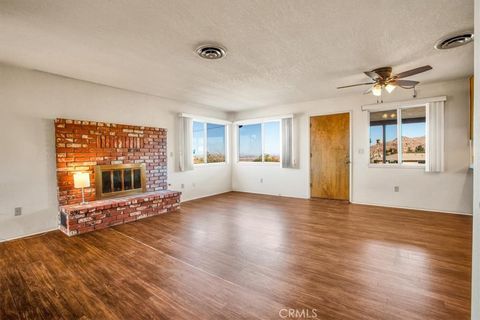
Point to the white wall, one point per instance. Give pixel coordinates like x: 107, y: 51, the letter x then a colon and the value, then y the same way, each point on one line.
x: 475, y: 303
x: 448, y: 191
x: 30, y: 101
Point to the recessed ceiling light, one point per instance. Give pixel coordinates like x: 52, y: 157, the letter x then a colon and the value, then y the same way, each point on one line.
x: 454, y: 40
x: 211, y: 52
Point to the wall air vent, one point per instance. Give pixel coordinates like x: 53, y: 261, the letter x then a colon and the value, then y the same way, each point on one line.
x: 211, y: 52
x: 454, y: 40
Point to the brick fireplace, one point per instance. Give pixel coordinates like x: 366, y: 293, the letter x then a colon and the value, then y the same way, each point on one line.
x: 117, y: 152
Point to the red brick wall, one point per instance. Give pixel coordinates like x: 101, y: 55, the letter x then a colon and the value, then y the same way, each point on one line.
x: 81, y: 145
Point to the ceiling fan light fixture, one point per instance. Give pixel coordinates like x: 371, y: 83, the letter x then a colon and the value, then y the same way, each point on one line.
x: 382, y: 78
x: 377, y: 90
x: 390, y: 87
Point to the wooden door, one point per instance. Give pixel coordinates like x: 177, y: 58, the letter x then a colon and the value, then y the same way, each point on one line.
x: 330, y: 156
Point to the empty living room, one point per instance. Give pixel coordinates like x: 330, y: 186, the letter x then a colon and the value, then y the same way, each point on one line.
x: 254, y: 159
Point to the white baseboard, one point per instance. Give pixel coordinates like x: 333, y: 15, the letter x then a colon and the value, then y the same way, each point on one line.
x: 272, y: 194
x: 207, y: 195
x: 28, y: 235
x: 368, y: 204
x: 410, y: 208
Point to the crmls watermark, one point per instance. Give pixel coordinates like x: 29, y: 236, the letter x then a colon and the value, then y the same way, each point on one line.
x: 288, y: 313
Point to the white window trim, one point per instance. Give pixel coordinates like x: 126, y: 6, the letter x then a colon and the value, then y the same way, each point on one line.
x: 264, y: 119
x: 398, y: 107
x: 401, y: 104
x: 261, y: 121
x: 205, y: 121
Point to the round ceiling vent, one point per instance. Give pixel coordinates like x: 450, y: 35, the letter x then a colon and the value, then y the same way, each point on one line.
x: 455, y: 40
x: 211, y: 52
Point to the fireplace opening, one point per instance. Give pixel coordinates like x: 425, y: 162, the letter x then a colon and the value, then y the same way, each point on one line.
x: 119, y: 180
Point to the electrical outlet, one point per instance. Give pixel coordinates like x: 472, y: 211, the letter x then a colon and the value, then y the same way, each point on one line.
x: 261, y: 180
x: 396, y: 188
x: 182, y: 186
x: 18, y: 211
x: 194, y: 184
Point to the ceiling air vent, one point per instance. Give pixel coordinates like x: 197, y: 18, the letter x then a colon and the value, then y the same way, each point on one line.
x: 211, y: 52
x: 455, y: 40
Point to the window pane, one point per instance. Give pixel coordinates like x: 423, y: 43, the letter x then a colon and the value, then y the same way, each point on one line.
x: 117, y: 180
x: 250, y: 142
x: 271, y: 131
x: 137, y: 179
x: 198, y: 142
x: 127, y: 179
x: 106, y: 182
x: 383, y: 137
x: 215, y: 143
x: 413, y: 135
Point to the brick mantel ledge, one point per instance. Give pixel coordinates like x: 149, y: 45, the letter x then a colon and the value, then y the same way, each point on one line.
x: 77, y: 218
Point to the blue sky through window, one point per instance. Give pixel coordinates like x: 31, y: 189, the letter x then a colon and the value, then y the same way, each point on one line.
x: 376, y: 133
x: 272, y: 138
x: 198, y: 139
x: 250, y: 141
x: 213, y: 149
x: 411, y: 130
x: 215, y: 138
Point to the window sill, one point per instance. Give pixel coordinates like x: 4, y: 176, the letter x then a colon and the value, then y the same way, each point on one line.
x: 252, y: 163
x: 397, y: 166
x: 212, y: 164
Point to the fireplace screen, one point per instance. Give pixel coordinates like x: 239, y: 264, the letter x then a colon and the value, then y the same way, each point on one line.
x: 119, y: 180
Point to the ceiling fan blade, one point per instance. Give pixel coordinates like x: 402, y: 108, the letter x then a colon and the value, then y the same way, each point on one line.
x: 372, y: 75
x: 368, y: 91
x: 355, y: 85
x: 412, y: 72
x: 406, y: 83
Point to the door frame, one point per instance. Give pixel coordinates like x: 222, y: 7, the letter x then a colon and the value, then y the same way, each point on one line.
x: 350, y: 150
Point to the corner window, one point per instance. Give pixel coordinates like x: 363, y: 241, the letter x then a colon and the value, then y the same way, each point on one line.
x: 385, y: 128
x: 259, y: 142
x: 209, y: 143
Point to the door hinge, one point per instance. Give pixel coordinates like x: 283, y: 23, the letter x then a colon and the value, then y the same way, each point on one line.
x: 310, y: 154
x: 311, y: 185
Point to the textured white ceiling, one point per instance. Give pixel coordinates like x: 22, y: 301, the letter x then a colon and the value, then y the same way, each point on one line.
x: 279, y: 51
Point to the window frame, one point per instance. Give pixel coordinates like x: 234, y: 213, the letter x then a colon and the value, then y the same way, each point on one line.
x: 205, y: 143
x: 262, y: 123
x: 400, y: 164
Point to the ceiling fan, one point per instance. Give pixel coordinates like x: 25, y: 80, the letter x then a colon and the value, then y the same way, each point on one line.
x: 384, y: 79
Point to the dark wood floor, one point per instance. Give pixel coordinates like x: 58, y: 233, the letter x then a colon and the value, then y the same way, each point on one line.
x: 246, y: 256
